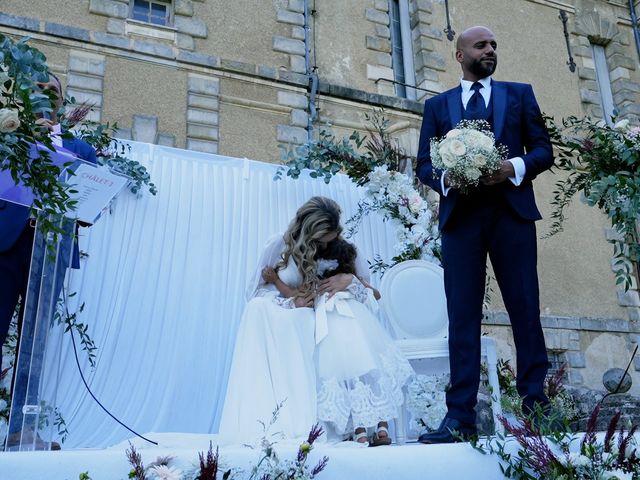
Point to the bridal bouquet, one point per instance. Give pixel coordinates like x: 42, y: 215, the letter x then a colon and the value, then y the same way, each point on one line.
x: 467, y: 152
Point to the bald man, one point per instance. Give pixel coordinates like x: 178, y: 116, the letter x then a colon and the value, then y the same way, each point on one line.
x: 496, y: 219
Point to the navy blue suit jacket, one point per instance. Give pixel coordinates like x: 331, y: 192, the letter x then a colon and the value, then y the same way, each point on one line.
x: 517, y: 124
x: 13, y: 217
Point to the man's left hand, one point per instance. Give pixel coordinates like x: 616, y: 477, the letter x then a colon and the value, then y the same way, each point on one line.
x: 506, y: 171
x: 335, y: 284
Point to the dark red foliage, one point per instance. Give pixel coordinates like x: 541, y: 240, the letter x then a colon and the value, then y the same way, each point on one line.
x: 208, y: 464
x: 555, y: 383
x: 135, y: 459
x: 541, y: 458
x: 315, y: 433
x: 320, y: 466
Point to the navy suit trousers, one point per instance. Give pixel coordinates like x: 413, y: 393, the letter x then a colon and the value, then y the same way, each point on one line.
x: 484, y: 224
x: 14, y: 275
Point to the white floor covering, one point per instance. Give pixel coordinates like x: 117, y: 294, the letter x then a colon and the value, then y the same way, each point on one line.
x: 347, y: 461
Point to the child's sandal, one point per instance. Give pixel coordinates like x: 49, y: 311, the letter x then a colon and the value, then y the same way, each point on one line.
x: 359, y: 436
x: 377, y: 440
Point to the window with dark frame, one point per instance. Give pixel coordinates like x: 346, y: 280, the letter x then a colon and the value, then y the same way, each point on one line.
x: 556, y: 361
x: 397, y: 59
x: 156, y: 12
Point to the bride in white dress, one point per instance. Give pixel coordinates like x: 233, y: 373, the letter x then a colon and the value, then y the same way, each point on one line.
x: 355, y: 380
x: 273, y: 356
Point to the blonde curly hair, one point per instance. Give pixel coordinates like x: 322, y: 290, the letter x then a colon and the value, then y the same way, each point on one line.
x: 315, y: 219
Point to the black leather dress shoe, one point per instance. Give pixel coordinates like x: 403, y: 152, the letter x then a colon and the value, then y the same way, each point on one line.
x: 450, y: 431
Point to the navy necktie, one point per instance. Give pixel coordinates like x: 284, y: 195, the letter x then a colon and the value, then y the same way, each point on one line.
x: 476, y: 108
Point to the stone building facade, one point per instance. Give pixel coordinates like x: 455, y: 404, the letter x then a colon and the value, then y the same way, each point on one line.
x: 239, y: 78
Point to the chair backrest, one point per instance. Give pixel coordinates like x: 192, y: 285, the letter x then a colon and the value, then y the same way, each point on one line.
x: 414, y: 301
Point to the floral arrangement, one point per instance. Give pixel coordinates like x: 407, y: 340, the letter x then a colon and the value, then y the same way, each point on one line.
x: 426, y: 400
x: 209, y: 465
x: 22, y: 67
x: 271, y: 467
x: 22, y: 104
x: 609, y: 457
x: 392, y: 195
x: 603, y: 164
x: 467, y: 152
x: 374, y: 162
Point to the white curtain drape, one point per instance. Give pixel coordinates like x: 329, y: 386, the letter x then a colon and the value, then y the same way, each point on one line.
x: 163, y: 291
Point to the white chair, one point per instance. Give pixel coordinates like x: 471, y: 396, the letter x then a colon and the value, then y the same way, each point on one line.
x: 414, y: 302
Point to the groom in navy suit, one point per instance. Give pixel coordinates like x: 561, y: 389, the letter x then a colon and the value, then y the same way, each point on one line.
x: 16, y: 231
x: 496, y: 219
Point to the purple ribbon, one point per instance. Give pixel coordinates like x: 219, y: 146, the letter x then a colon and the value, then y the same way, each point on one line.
x: 21, y: 194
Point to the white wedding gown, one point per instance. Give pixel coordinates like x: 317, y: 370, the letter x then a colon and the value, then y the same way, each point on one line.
x: 272, y: 361
x: 355, y: 377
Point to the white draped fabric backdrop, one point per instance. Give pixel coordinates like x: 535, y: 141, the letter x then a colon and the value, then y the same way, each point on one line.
x: 163, y: 287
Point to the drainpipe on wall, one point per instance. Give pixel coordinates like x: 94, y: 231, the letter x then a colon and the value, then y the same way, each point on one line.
x: 634, y: 25
x: 313, y: 77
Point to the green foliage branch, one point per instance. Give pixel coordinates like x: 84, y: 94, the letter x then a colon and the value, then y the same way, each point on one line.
x: 602, y: 163
x: 22, y: 103
x: 375, y: 162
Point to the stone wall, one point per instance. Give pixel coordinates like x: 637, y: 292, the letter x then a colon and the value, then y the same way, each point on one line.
x: 231, y: 78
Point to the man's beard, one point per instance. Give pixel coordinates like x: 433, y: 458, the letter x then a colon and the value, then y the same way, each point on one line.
x: 482, y: 71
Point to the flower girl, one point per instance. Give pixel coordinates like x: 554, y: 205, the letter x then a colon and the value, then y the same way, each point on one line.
x: 360, y: 371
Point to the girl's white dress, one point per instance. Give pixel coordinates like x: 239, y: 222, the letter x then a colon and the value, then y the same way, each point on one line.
x: 354, y: 378
x: 360, y: 370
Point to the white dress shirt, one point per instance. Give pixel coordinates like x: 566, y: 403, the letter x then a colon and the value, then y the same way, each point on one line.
x: 517, y: 162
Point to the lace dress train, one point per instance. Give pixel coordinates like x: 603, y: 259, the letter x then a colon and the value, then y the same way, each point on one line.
x: 360, y: 371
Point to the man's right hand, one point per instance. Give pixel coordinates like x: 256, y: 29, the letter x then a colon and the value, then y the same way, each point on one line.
x: 445, y: 180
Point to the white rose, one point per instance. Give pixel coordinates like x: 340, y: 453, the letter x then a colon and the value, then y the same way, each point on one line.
x: 479, y: 159
x: 448, y: 159
x: 475, y: 136
x: 485, y: 141
x: 457, y: 148
x: 621, y: 125
x: 472, y: 173
x: 444, y: 147
x: 9, y: 120
x: 415, y: 203
x: 453, y: 133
